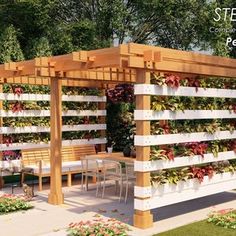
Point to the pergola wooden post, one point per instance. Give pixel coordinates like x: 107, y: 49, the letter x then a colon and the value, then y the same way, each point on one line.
x: 143, y: 219
x: 102, y: 119
x: 56, y: 196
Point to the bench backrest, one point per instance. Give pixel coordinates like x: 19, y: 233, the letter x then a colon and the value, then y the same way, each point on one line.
x: 72, y: 153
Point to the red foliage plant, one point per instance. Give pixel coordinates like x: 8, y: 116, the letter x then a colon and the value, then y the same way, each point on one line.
x: 172, y: 81
x: 17, y: 107
x: 7, y: 140
x: 121, y: 93
x: 169, y: 153
x: 197, y: 148
x: 200, y: 172
x: 17, y: 90
x: 193, y: 82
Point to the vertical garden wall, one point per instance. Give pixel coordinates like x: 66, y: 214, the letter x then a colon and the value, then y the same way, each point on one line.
x: 192, y: 138
x: 26, y: 117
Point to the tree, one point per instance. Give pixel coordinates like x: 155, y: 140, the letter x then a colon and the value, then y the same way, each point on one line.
x: 10, y: 49
x: 39, y: 48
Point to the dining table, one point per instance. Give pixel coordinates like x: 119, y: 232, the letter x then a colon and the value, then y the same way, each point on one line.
x: 114, y: 156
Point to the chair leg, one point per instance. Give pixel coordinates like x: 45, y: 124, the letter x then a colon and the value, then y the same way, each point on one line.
x: 86, y: 183
x: 121, y: 187
x: 82, y: 181
x: 98, y: 184
x: 126, y: 191
x: 103, y: 188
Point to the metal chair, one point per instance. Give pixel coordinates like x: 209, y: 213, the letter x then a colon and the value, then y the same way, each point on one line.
x: 129, y: 177
x: 90, y: 169
x: 111, y: 170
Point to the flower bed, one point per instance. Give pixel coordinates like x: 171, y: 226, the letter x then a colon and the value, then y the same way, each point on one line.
x: 225, y: 218
x: 98, y: 227
x: 11, y: 203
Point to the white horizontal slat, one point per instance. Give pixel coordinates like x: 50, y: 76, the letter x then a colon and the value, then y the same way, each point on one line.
x: 38, y: 129
x: 84, y: 141
x: 183, y: 115
x: 152, y: 89
x: 144, y: 166
x: 46, y: 97
x: 78, y: 98
x: 191, y: 189
x: 24, y: 97
x: 147, y: 140
x: 46, y: 113
x: 21, y: 146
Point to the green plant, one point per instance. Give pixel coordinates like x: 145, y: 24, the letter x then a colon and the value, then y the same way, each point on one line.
x: 98, y: 227
x: 11, y: 203
x: 225, y: 218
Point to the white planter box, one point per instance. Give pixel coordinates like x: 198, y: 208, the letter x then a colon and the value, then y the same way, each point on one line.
x: 46, y: 97
x: 84, y: 141
x: 78, y: 98
x: 21, y: 146
x: 168, y: 194
x: 46, y: 113
x: 143, y: 166
x: 24, y: 97
x: 150, y: 140
x: 152, y: 89
x: 38, y: 129
x: 183, y: 115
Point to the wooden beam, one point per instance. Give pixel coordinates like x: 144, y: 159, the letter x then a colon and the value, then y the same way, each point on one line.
x: 143, y: 219
x: 197, y: 69
x: 55, y: 196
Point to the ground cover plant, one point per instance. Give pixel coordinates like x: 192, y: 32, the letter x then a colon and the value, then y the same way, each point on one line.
x: 11, y: 203
x: 98, y: 227
x: 225, y: 218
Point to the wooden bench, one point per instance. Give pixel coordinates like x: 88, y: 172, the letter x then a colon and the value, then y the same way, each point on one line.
x: 37, y: 162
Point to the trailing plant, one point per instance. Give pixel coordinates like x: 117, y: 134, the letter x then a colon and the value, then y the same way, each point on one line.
x: 170, y: 80
x: 45, y: 137
x: 173, y: 176
x: 169, y: 152
x: 192, y: 126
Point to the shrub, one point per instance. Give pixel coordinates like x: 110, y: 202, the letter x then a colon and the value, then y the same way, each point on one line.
x: 98, y: 227
x: 225, y: 218
x: 11, y: 203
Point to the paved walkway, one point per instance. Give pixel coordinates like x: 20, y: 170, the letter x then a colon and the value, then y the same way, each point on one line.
x: 46, y: 219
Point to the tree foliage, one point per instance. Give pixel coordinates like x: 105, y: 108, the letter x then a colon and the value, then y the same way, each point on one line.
x: 75, y: 24
x: 10, y: 49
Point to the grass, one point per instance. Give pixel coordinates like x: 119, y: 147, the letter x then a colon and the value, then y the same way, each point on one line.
x: 201, y: 228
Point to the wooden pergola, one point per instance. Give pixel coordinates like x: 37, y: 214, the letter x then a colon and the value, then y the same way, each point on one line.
x: 130, y: 63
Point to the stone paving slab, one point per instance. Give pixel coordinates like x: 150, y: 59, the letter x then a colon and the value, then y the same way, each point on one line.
x: 50, y: 220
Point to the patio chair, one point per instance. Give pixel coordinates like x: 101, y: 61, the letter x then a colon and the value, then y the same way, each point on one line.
x: 90, y: 168
x: 111, y: 170
x: 129, y: 177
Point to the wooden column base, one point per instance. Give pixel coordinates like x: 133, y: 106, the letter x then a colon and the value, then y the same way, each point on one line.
x: 55, y: 198
x: 143, y: 219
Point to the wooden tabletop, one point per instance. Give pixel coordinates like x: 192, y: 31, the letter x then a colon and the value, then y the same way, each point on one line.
x: 115, y: 156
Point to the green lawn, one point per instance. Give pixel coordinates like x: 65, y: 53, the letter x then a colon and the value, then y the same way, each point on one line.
x: 201, y: 228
